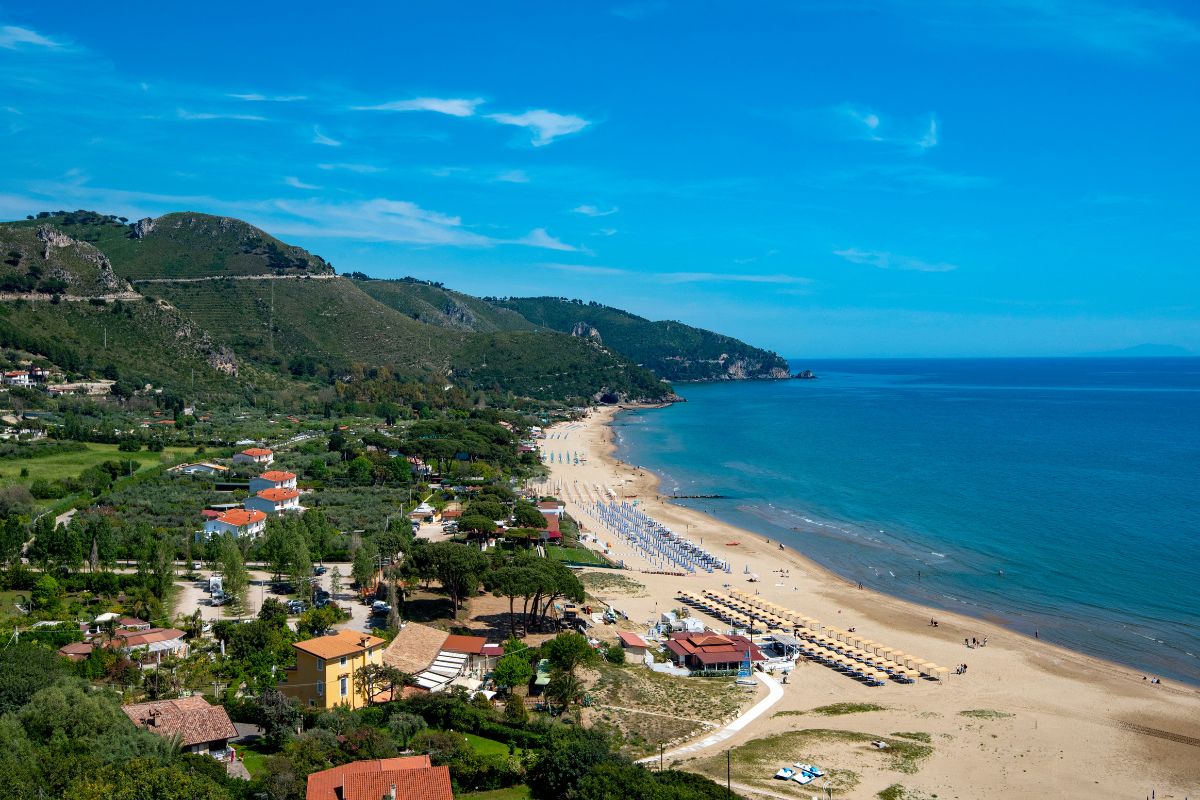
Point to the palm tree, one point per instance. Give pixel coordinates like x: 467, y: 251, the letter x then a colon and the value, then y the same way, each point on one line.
x: 565, y: 687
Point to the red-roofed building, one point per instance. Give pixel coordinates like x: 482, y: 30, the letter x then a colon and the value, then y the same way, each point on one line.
x: 550, y: 507
x: 254, y: 455
x: 274, y: 501
x: 198, y: 726
x: 238, y: 521
x: 404, y: 778
x: 470, y: 646
x: 273, y: 479
x: 633, y: 644
x: 553, y: 532
x: 711, y: 652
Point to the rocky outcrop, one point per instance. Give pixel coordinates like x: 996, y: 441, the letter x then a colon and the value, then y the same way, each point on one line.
x: 143, y: 227
x: 582, y: 330
x: 459, y: 315
x: 49, y: 237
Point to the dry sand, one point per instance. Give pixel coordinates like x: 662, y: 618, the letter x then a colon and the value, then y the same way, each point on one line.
x: 1079, y: 726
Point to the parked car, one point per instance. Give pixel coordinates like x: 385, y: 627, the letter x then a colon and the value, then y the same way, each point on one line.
x: 319, y: 570
x: 297, y: 607
x: 197, y: 566
x: 380, y: 607
x: 219, y: 599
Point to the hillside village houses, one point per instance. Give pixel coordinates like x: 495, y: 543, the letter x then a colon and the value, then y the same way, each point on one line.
x: 238, y: 521
x: 254, y: 455
x: 196, y: 725
x: 199, y: 468
x: 325, y: 666
x: 274, y: 501
x: 401, y: 778
x: 273, y: 479
x: 128, y: 635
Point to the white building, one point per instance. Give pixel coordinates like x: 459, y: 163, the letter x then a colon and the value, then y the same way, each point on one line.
x: 238, y: 521
x: 273, y: 479
x: 274, y: 501
x: 254, y: 455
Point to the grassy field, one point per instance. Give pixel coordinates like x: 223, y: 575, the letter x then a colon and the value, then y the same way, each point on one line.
x: 254, y: 759
x: 577, y: 555
x: 69, y: 465
x: 487, y: 747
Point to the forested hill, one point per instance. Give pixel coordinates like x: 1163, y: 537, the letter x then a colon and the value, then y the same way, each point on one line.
x: 194, y: 302
x: 675, y: 351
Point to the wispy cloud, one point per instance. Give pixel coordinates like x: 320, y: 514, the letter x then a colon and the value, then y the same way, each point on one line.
x: 513, y: 176
x: 595, y: 211
x: 361, y: 169
x: 296, y: 183
x: 606, y: 232
x: 184, y: 114
x: 545, y: 126
x: 863, y: 122
x: 586, y: 269
x: 13, y: 37
x: 452, y: 106
x: 265, y: 98
x: 539, y: 238
x: 320, y: 138
x: 885, y: 260
x: 930, y: 139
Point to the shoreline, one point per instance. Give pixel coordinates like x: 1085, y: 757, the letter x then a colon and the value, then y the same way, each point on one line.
x: 653, y: 481
x: 1061, y: 684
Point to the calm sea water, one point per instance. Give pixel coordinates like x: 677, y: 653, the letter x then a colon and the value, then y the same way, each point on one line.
x: 1061, y: 495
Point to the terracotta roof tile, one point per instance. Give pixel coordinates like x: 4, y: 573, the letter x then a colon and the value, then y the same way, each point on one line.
x: 278, y: 495
x: 256, y: 452
x: 342, y: 643
x: 192, y: 719
x: 241, y: 516
x: 278, y: 476
x: 414, y: 648
x: 465, y: 644
x: 413, y: 777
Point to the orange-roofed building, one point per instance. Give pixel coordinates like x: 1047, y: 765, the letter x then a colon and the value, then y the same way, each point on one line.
x: 238, y: 521
x: 274, y: 501
x: 273, y: 479
x: 325, y: 666
x: 404, y: 778
x: 254, y: 455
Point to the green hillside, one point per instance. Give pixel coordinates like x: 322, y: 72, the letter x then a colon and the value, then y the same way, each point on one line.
x: 675, y: 351
x: 328, y: 322
x: 136, y: 342
x: 184, y: 245
x: 43, y: 259
x: 553, y: 366
x: 433, y: 304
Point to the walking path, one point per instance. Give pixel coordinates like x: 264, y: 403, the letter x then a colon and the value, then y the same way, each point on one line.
x: 774, y: 694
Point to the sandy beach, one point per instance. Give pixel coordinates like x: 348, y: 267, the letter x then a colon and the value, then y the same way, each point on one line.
x: 1044, y: 720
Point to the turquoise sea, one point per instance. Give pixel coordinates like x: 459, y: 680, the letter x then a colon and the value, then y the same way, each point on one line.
x: 1057, y: 495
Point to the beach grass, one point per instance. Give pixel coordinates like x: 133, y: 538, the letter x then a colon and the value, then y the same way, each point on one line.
x: 575, y: 555
x: 916, y: 736
x: 985, y: 713
x: 611, y: 582
x: 651, y: 708
x: 835, y: 710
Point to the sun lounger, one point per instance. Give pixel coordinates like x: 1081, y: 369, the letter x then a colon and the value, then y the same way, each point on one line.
x: 785, y: 774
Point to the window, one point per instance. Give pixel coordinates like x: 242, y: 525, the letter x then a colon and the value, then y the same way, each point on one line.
x: 312, y: 702
x: 343, y: 661
x: 320, y: 665
x: 320, y: 690
x: 345, y: 685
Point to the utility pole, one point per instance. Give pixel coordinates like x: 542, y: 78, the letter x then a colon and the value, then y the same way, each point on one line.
x: 660, y: 757
x: 728, y: 787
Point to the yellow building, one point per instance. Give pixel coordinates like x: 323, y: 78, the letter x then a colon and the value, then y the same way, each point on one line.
x: 325, y: 666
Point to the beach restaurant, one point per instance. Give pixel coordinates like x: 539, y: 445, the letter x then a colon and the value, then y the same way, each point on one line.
x: 712, y: 652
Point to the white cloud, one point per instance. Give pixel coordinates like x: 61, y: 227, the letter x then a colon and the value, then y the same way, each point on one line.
x: 320, y: 138
x: 546, y: 126
x: 586, y: 269
x: 263, y: 98
x: 183, y: 113
x: 865, y: 117
x: 296, y: 183
x: 930, y: 139
x: 513, y: 176
x: 679, y: 277
x: 606, y: 232
x: 539, y: 238
x: 453, y: 106
x: 885, y: 260
x: 594, y: 211
x: 361, y: 169
x: 12, y: 37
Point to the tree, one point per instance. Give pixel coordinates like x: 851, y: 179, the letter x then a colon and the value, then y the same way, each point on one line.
x: 274, y: 613
x: 280, y: 716
x: 363, y: 568
x: 46, y: 594
x: 476, y: 523
x: 565, y: 687
x: 404, y: 726
x: 568, y: 651
x: 335, y: 582
x: 373, y: 679
x: 299, y: 565
x: 570, y: 754
x: 459, y: 569
x: 526, y: 515
x: 360, y: 472
x: 24, y: 669
x: 615, y: 654
x: 512, y: 670
x: 515, y: 711
x: 233, y: 569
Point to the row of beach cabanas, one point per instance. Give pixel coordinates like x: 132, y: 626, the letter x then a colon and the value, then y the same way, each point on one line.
x: 657, y: 543
x: 837, y: 648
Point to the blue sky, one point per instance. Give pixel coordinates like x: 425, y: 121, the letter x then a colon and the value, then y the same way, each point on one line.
x: 897, y: 177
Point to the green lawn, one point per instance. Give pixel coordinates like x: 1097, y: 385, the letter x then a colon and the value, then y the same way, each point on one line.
x: 578, y: 555
x: 487, y: 747
x: 511, y: 793
x: 254, y: 759
x: 69, y: 465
